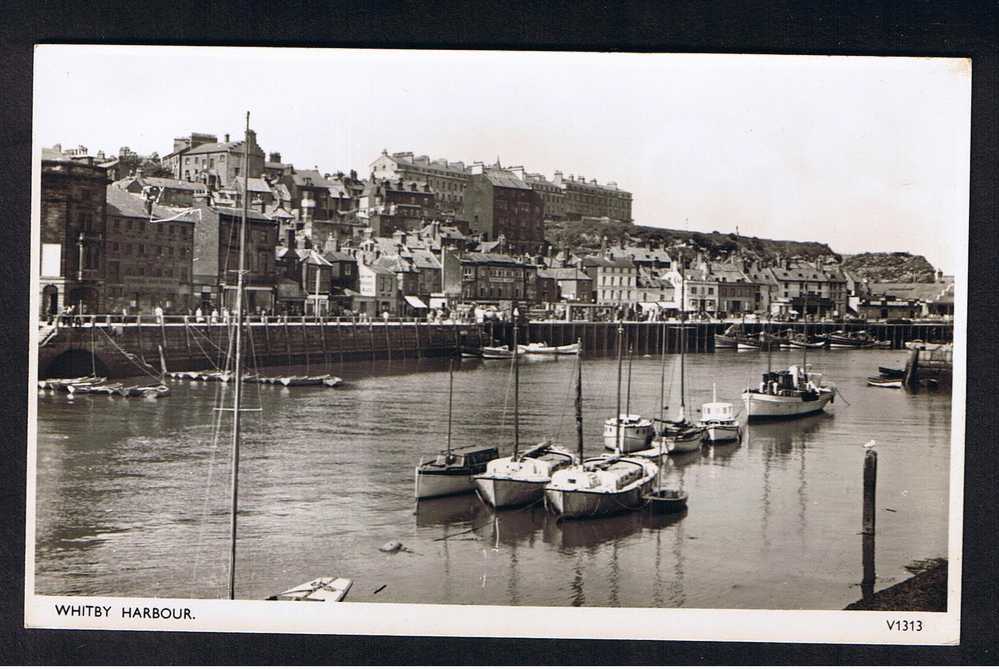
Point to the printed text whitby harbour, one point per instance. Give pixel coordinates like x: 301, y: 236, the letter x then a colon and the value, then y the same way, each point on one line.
x: 416, y: 238
x: 127, y: 612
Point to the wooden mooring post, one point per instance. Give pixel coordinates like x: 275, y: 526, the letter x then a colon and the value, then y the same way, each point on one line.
x: 870, y: 486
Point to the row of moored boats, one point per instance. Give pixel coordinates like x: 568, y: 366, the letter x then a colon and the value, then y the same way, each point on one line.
x: 736, y: 337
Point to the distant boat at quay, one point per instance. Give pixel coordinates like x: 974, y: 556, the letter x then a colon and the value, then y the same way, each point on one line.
x: 544, y: 349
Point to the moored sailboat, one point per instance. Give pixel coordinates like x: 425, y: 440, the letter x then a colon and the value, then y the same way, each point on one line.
x: 601, y: 485
x: 520, y: 478
x: 451, y: 471
x: 626, y: 432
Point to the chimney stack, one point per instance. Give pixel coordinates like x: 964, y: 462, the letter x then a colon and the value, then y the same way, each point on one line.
x: 227, y: 138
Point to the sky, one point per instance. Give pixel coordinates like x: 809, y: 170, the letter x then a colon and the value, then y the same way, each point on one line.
x: 863, y: 153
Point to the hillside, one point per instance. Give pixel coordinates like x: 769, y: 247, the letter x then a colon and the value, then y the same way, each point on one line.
x: 585, y: 237
x: 898, y: 266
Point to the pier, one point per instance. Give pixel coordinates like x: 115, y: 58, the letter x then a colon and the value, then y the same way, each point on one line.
x: 119, y: 347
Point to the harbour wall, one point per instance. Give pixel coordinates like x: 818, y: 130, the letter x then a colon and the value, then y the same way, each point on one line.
x: 133, y: 348
x: 651, y: 337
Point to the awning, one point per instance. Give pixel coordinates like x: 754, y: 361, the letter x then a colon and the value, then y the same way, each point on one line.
x: 438, y: 302
x: 648, y: 306
x: 414, y: 302
x: 666, y: 305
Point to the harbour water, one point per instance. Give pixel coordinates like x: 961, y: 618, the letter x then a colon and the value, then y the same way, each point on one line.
x: 132, y: 494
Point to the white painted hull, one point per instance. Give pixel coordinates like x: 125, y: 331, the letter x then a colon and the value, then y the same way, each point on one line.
x: 631, y: 437
x: 718, y: 433
x: 761, y: 407
x: 441, y: 484
x: 585, y: 504
x: 501, y: 493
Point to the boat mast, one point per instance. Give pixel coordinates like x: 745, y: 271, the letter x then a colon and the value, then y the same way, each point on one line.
x: 238, y: 391
x: 683, y: 343
x: 804, y: 348
x: 620, y: 360
x: 579, y: 400
x: 662, y: 379
x: 627, y: 400
x: 516, y: 386
x: 450, y: 402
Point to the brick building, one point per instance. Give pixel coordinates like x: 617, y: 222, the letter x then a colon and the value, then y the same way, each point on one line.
x: 216, y: 258
x: 148, y: 253
x: 73, y: 205
x: 591, y: 199
x: 216, y: 164
x: 446, y: 180
x: 493, y: 278
x: 498, y: 203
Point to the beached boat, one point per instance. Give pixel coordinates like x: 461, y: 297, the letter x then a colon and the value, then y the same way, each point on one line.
x: 545, y: 349
x: 324, y: 590
x: 718, y: 420
x: 882, y: 382
x: 64, y: 384
x: 600, y: 486
x: 471, y: 352
x: 891, y: 373
x: 451, y: 471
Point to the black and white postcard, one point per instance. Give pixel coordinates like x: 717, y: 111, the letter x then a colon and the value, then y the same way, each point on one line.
x: 498, y: 343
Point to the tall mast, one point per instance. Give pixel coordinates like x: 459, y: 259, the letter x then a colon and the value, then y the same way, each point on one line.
x: 579, y: 400
x: 238, y: 392
x: 662, y: 379
x: 627, y: 401
x: 683, y: 341
x: 516, y: 388
x: 620, y: 360
x: 450, y: 397
x: 804, y: 349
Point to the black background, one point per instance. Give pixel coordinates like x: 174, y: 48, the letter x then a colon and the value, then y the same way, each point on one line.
x: 870, y: 28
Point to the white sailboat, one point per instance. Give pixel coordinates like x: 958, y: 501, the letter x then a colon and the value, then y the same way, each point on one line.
x: 598, y: 486
x: 627, y: 432
x: 342, y: 584
x: 520, y: 478
x: 680, y: 435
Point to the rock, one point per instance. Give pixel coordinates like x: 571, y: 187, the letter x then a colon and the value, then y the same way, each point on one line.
x: 391, y: 547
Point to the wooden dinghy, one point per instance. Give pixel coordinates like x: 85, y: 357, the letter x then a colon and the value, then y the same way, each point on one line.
x: 323, y: 590
x: 666, y: 500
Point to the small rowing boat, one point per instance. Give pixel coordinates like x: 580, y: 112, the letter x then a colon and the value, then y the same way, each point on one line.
x: 545, y: 349
x: 324, y: 590
x: 882, y: 382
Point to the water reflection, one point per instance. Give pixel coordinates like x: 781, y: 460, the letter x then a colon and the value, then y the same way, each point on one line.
x: 132, y: 493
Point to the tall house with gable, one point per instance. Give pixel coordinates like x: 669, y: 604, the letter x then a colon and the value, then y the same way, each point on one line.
x: 203, y: 158
x: 498, y: 203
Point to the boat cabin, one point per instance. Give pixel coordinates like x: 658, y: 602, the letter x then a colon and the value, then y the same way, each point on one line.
x: 467, y: 456
x: 720, y: 412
